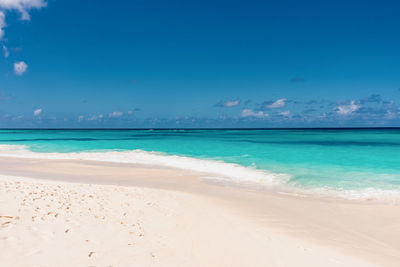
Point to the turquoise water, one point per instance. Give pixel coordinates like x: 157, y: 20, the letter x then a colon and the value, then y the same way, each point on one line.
x: 337, y: 159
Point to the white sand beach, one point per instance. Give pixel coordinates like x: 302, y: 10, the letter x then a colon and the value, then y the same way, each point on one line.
x: 199, y: 133
x: 77, y: 213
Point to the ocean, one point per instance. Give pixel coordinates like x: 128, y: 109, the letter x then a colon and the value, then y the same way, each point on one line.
x: 342, y: 163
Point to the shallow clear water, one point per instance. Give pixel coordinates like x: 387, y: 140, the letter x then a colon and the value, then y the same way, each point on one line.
x: 332, y: 159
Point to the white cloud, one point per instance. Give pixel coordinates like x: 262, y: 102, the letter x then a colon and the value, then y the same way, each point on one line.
x: 347, y: 109
x: 95, y: 117
x: 92, y: 118
x: 37, y: 112
x: 80, y: 118
x: 251, y: 113
x: 130, y: 112
x: 285, y: 113
x: 21, y: 6
x: 5, y: 51
x: 20, y: 67
x: 115, y: 114
x: 280, y: 103
x: 390, y: 115
x: 227, y: 104
x: 233, y: 103
x: 2, y: 24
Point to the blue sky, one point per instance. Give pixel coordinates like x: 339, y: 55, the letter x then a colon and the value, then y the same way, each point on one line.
x: 199, y: 63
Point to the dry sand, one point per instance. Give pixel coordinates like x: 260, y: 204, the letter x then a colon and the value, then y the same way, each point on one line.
x: 76, y: 213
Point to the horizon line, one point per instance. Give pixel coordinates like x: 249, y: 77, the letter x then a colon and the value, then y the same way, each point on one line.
x: 216, y: 128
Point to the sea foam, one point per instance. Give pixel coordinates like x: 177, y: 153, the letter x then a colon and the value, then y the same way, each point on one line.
x: 213, y: 170
x: 210, y: 168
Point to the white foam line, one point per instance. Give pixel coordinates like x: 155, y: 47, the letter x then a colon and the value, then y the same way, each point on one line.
x: 219, y: 168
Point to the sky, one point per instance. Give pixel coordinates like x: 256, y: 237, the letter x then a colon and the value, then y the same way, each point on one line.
x: 179, y: 64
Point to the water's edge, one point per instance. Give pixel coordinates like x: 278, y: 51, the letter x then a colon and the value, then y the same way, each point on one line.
x: 212, y: 170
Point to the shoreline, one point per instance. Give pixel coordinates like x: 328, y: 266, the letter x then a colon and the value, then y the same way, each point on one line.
x: 211, y: 171
x: 367, y: 232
